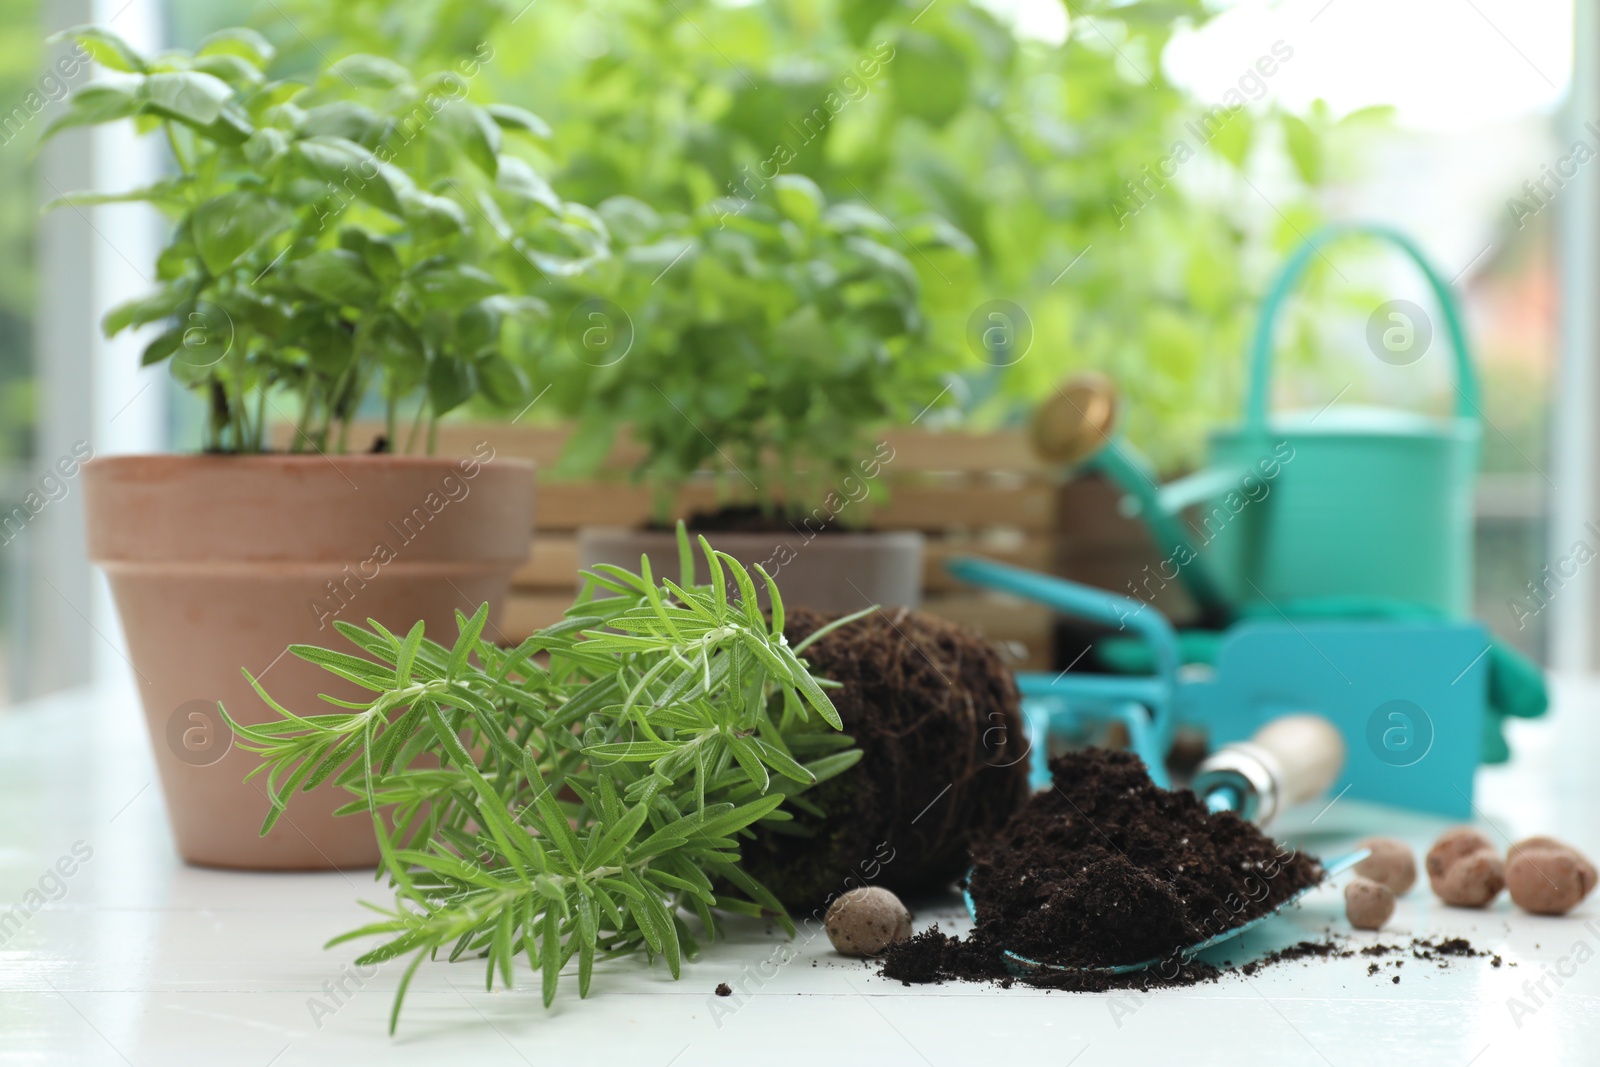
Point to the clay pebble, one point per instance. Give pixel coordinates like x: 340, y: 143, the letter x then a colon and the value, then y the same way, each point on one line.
x: 1391, y: 863
x: 1548, y: 877
x: 1368, y: 904
x: 866, y: 921
x: 1452, y: 845
x: 1464, y: 869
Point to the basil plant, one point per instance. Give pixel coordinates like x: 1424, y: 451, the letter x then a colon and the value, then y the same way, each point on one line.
x: 767, y: 337
x: 366, y: 232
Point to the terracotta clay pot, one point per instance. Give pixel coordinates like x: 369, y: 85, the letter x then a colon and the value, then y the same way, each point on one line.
x: 219, y: 563
x: 834, y: 572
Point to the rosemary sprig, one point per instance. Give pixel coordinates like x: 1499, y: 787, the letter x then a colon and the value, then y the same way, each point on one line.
x: 585, y: 789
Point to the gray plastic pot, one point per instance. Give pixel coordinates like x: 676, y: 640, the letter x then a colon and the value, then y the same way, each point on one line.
x: 833, y: 572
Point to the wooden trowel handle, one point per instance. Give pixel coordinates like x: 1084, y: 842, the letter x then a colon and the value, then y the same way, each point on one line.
x: 1309, y: 751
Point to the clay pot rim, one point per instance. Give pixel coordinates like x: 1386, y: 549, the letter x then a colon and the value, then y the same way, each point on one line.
x: 292, y: 459
x: 207, y: 509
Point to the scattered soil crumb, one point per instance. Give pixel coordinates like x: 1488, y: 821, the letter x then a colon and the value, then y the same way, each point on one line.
x: 1335, y: 946
x: 724, y: 989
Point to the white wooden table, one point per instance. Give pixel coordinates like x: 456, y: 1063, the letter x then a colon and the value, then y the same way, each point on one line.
x: 138, y: 959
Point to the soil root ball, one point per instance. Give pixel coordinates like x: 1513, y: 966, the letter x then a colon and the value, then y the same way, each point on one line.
x: 944, y: 762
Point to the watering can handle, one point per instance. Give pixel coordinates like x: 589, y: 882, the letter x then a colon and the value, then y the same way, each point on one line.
x: 1261, y: 348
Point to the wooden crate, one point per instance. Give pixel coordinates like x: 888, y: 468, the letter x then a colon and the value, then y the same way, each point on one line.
x: 980, y: 494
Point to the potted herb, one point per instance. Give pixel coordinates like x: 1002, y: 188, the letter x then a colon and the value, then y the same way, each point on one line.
x: 353, y: 238
x: 761, y: 339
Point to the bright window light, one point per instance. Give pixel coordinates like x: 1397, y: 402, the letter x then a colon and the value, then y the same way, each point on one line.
x: 1443, y: 64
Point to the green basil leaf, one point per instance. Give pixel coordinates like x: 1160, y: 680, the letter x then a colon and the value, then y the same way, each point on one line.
x: 328, y: 346
x: 335, y: 274
x: 347, y: 168
x: 228, y: 226
x: 511, y: 117
x: 239, y: 73
x: 520, y: 179
x: 451, y: 383
x: 105, y: 47
x: 344, y: 119
x: 265, y: 147
x: 164, y: 345
x: 162, y: 304
x: 502, y: 381
x: 232, y: 128
x: 392, y: 342
x: 370, y: 72
x: 1305, y: 150
x: 475, y: 132
x: 239, y: 41
x: 94, y: 104
x: 798, y: 198
x: 378, y: 253
x: 433, y: 216
x: 452, y: 285
x: 187, y: 96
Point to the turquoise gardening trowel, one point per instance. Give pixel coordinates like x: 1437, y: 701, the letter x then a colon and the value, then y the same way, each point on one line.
x: 1290, y: 760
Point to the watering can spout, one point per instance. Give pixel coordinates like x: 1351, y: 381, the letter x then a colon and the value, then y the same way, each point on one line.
x: 1075, y: 425
x: 1077, y: 428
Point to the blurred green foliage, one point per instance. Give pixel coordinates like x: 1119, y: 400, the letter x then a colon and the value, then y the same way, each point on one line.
x: 917, y: 110
x: 759, y: 337
x: 21, y: 51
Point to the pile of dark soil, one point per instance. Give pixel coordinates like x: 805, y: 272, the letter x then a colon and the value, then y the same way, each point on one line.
x: 1106, y: 869
x: 937, y: 717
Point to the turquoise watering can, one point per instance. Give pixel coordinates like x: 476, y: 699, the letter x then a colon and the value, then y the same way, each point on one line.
x: 1354, y: 503
x: 1367, y: 503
